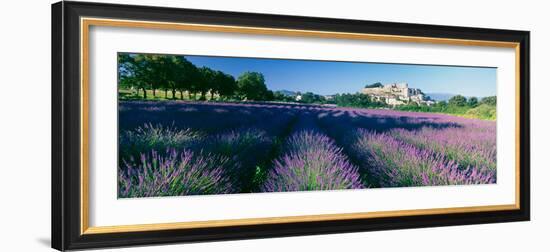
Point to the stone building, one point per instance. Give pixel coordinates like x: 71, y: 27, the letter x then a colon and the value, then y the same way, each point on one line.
x: 397, y: 94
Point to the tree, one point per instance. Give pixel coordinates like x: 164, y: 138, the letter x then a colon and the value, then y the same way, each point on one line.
x: 154, y: 69
x: 219, y: 79
x: 269, y: 95
x: 310, y: 97
x: 165, y: 74
x: 134, y: 72
x: 441, y: 104
x: 195, y: 84
x: 458, y: 101
x: 227, y: 86
x: 489, y: 100
x: 126, y: 71
x: 251, y: 86
x: 185, y: 74
x: 374, y: 85
x: 280, y: 96
x: 356, y: 100
x: 175, y: 73
x: 472, y: 101
x: 208, y: 81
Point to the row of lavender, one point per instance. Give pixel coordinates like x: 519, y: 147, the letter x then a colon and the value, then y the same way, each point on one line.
x: 230, y: 148
x: 311, y: 161
x: 396, y: 149
x: 156, y: 160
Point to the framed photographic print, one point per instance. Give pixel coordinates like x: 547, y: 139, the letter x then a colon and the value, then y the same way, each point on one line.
x: 180, y: 125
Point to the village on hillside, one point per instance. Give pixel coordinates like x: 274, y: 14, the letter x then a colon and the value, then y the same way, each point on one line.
x: 392, y: 94
x: 397, y: 94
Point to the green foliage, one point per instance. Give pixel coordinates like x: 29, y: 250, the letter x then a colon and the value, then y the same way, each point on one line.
x: 310, y: 97
x: 490, y: 100
x: 374, y: 85
x: 471, y: 109
x: 208, y: 81
x: 251, y: 86
x: 458, y: 100
x: 184, y: 75
x: 483, y: 111
x: 226, y: 85
x: 173, y: 73
x: 259, y: 177
x: 280, y: 96
x: 269, y: 95
x: 157, y: 70
x: 472, y: 101
x: 134, y: 72
x: 357, y: 100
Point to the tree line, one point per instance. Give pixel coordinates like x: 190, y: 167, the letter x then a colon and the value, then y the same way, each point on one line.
x: 484, y: 108
x: 461, y: 101
x: 357, y: 100
x: 174, y: 73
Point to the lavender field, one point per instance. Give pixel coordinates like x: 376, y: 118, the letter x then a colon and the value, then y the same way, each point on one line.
x: 170, y: 148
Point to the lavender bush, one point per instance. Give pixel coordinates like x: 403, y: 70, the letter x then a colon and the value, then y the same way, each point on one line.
x: 143, y: 139
x: 313, y: 162
x: 244, y: 149
x: 171, y: 174
x: 469, y: 147
x: 234, y: 143
x: 398, y: 164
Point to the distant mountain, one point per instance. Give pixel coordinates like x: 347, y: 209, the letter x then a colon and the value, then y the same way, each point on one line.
x: 440, y: 96
x: 287, y: 92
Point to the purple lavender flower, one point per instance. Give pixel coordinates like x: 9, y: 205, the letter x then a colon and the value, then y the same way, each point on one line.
x: 397, y: 164
x: 244, y: 150
x: 468, y: 146
x: 150, y: 137
x: 240, y: 140
x: 173, y: 174
x: 312, y: 162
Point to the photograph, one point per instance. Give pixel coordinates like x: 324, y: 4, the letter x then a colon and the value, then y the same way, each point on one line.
x: 175, y: 123
x: 207, y: 125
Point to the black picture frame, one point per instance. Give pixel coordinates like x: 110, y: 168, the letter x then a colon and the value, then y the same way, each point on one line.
x: 66, y: 142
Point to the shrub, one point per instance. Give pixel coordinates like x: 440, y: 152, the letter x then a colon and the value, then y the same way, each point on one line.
x: 458, y: 100
x: 173, y: 174
x: 397, y: 164
x: 470, y: 147
x: 483, y: 111
x: 153, y: 137
x: 313, y: 162
x: 244, y: 148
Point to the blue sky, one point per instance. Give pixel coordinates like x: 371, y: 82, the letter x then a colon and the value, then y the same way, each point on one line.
x: 325, y: 77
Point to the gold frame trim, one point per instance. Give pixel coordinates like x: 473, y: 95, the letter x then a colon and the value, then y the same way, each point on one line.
x: 85, y: 24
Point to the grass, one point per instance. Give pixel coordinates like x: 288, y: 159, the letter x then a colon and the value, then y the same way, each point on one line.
x: 482, y: 111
